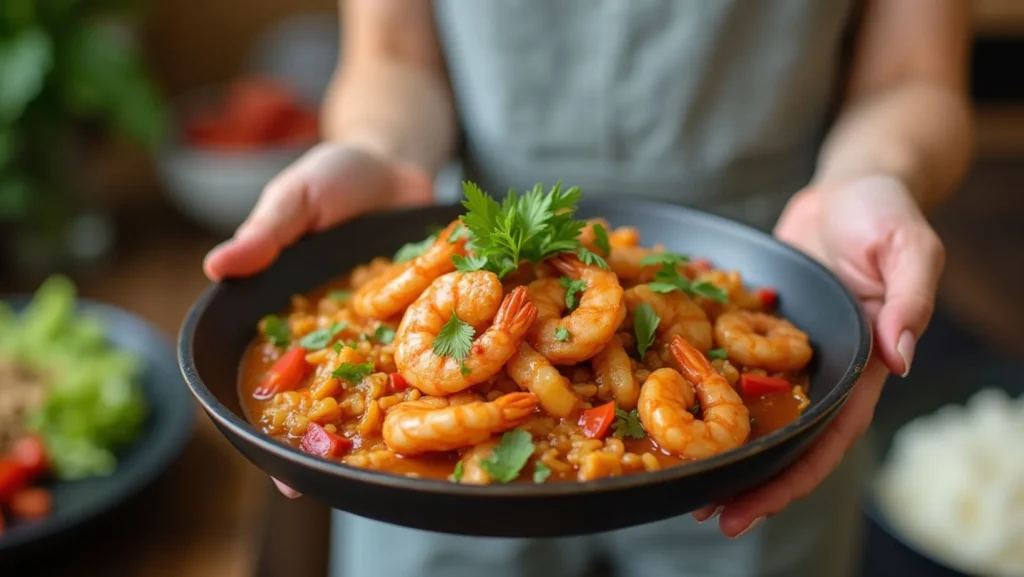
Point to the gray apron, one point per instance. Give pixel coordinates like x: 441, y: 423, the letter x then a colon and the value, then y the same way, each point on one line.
x: 717, y: 104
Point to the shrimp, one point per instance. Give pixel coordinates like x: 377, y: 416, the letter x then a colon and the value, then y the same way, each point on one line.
x: 530, y: 370
x: 666, y: 399
x: 433, y: 424
x: 679, y: 315
x: 614, y: 369
x: 473, y: 472
x: 473, y: 297
x: 586, y: 330
x: 400, y: 284
x: 732, y: 283
x: 625, y: 256
x: 756, y: 339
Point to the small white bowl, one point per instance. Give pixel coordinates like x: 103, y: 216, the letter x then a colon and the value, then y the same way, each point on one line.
x: 217, y: 188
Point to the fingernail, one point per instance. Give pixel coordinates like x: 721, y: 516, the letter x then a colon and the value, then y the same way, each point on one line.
x: 750, y: 527
x: 905, y: 349
x: 715, y: 513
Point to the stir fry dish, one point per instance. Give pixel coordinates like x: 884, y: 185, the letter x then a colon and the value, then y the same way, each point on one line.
x: 68, y: 400
x: 521, y: 344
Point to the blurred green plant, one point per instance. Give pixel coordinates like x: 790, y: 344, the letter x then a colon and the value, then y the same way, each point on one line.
x: 64, y: 64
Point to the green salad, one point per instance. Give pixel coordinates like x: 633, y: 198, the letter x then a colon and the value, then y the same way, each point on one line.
x: 94, y: 402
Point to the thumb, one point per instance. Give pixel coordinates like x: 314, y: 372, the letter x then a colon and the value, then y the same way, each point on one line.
x: 282, y: 214
x: 911, y: 264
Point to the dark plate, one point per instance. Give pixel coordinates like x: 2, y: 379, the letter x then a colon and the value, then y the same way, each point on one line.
x: 903, y: 402
x: 223, y: 320
x: 168, y: 426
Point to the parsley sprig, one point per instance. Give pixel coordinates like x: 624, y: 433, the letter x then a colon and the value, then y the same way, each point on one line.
x: 572, y: 289
x: 668, y: 279
x: 352, y: 372
x: 510, y: 456
x: 645, y: 322
x: 628, y: 424
x: 455, y: 339
x: 530, y: 226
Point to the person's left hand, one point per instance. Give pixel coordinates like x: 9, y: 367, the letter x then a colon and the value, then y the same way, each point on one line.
x: 872, y: 235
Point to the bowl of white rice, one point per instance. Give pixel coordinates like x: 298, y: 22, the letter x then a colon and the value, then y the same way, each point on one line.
x: 950, y: 487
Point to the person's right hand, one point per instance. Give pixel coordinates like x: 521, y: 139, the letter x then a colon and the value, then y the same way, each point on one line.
x: 328, y: 185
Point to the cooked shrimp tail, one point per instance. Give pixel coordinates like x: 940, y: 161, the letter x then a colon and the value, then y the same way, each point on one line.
x: 516, y: 314
x: 433, y: 424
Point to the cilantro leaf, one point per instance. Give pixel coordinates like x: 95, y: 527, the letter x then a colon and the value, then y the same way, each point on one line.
x: 601, y: 238
x: 510, y: 456
x: 668, y: 279
x: 628, y: 424
x: 340, y: 295
x: 541, y: 472
x: 718, y: 354
x: 320, y: 338
x: 454, y: 339
x: 384, y: 335
x: 645, y: 322
x: 591, y: 258
x: 352, y: 372
x: 457, y: 473
x: 469, y: 263
x: 709, y: 291
x: 572, y: 287
x: 412, y: 250
x: 562, y: 334
x: 669, y: 258
x: 276, y: 330
x: 531, y: 227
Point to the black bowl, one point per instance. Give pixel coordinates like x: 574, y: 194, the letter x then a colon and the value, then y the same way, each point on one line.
x: 893, y: 554
x: 223, y: 320
x: 169, y: 424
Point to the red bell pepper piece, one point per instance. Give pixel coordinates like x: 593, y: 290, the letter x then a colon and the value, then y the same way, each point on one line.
x: 757, y: 385
x: 321, y: 443
x: 595, y: 421
x: 30, y: 451
x: 398, y: 382
x: 31, y: 503
x: 13, y: 477
x: 286, y: 375
x: 768, y: 297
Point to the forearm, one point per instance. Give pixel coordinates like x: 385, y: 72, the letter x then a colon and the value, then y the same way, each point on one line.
x: 393, y: 109
x: 916, y: 132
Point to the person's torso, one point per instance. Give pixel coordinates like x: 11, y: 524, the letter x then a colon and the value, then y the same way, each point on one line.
x: 718, y: 104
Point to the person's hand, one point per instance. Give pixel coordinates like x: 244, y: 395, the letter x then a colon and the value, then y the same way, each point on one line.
x: 871, y: 233
x: 329, y: 184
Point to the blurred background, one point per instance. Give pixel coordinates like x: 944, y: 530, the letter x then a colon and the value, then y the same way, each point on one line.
x: 136, y: 134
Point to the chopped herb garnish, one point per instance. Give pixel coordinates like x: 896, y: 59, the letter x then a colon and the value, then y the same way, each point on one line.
x: 454, y: 339
x: 337, y: 346
x: 510, y: 456
x: 459, y: 232
x: 694, y: 409
x: 645, y: 322
x: 384, y: 335
x: 412, y: 250
x: 352, y: 345
x: 320, y: 338
x: 669, y: 258
x: 541, y: 472
x: 591, y: 258
x: 276, y: 330
x: 352, y: 372
x: 562, y: 334
x: 709, y: 291
x: 718, y: 354
x: 469, y: 263
x: 572, y: 288
x: 464, y: 369
x: 668, y: 279
x: 628, y: 424
x: 457, y: 473
x: 531, y: 226
x: 340, y: 295
x: 601, y: 238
